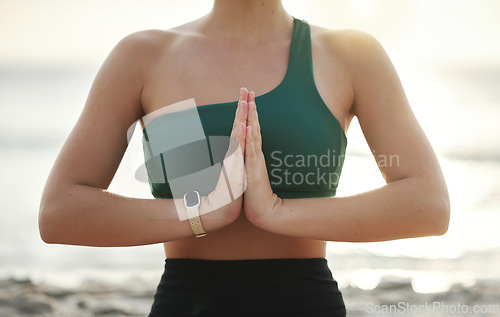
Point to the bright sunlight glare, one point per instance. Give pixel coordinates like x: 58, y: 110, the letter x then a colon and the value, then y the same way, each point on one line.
x: 362, y: 7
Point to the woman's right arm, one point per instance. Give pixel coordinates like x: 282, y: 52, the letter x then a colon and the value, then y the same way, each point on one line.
x: 75, y: 207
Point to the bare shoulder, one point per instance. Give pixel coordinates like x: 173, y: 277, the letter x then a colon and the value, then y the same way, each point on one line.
x: 142, y: 46
x: 153, y: 40
x: 143, y: 50
x: 365, y: 62
x: 147, y: 40
x: 352, y: 46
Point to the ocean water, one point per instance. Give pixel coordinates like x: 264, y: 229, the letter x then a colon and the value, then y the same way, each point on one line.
x: 456, y: 105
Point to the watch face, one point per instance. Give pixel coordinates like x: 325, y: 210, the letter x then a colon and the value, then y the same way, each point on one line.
x: 191, y: 199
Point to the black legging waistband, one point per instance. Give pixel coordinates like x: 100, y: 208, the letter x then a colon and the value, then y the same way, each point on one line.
x: 249, y: 269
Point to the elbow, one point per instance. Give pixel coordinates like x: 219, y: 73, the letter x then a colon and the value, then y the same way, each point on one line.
x: 439, y: 215
x: 444, y: 218
x: 55, y: 224
x: 46, y: 234
x: 47, y: 225
x: 47, y: 238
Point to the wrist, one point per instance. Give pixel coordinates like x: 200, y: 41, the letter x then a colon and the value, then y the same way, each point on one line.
x: 278, y: 206
x: 274, y: 221
x: 216, y: 215
x: 192, y: 205
x: 267, y: 216
x: 205, y: 211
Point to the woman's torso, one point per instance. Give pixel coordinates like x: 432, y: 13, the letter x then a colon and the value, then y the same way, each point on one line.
x: 212, y: 70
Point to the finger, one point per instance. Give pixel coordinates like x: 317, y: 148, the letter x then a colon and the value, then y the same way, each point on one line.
x: 237, y: 138
x: 251, y: 96
x: 257, y: 116
x: 254, y: 145
x: 240, y: 117
x: 243, y: 97
x: 237, y: 109
x: 250, y: 153
x: 253, y: 121
x: 252, y: 99
x: 242, y: 136
x: 243, y: 115
x: 251, y: 161
x: 244, y: 94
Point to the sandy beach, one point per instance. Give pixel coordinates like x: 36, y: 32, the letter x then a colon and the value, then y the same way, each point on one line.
x: 392, y: 297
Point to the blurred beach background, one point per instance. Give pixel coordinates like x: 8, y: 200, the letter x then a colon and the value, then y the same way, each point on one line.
x: 447, y: 54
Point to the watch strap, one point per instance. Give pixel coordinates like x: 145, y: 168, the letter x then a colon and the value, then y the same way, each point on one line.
x: 195, y: 221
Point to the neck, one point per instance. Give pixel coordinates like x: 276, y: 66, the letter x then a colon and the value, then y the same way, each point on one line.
x: 248, y: 18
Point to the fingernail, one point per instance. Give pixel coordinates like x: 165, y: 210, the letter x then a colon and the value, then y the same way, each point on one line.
x: 252, y: 105
x: 241, y: 93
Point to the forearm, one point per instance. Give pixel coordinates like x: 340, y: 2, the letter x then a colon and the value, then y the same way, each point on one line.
x: 95, y: 217
x: 402, y: 209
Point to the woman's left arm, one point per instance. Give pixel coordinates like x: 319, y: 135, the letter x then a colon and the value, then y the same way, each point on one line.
x: 415, y: 201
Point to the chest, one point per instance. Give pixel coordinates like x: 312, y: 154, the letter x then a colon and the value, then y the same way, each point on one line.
x: 213, y: 72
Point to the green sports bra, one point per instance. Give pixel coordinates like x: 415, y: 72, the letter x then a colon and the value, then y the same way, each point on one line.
x: 302, y: 141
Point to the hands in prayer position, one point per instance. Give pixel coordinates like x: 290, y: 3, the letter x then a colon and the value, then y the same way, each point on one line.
x: 244, y: 171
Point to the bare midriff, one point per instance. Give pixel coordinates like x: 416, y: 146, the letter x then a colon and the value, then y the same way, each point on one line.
x: 242, y: 240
